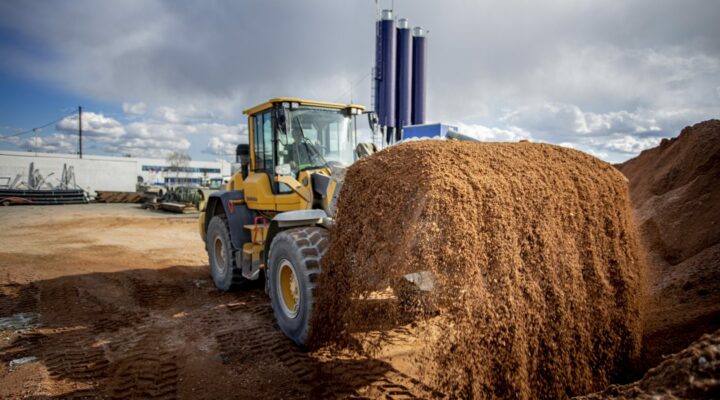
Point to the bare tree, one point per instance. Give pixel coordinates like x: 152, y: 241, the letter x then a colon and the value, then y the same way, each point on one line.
x: 179, y: 162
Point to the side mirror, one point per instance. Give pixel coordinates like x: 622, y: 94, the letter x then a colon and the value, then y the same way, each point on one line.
x: 373, y: 120
x: 242, y: 157
x: 242, y: 153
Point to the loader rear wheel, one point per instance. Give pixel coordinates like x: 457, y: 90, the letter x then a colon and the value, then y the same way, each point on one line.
x: 293, y: 270
x: 225, y: 273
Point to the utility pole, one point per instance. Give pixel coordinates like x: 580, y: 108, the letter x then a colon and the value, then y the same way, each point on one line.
x: 80, y: 128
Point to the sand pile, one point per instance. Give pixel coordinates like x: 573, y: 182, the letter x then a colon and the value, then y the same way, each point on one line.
x: 693, y: 373
x: 675, y: 189
x: 536, y: 263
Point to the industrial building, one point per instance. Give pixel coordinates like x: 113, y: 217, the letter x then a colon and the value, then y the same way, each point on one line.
x: 106, y: 173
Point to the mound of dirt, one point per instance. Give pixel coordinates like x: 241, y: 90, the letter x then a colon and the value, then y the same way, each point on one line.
x: 675, y: 189
x: 693, y: 373
x: 537, y: 272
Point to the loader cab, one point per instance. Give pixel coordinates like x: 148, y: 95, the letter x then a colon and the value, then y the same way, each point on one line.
x: 291, y: 139
x: 276, y: 210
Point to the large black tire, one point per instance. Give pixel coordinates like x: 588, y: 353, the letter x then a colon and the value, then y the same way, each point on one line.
x: 298, y: 251
x: 225, y: 273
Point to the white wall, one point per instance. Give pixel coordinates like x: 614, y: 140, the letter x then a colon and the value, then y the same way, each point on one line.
x: 154, y: 177
x: 94, y: 173
x: 91, y: 173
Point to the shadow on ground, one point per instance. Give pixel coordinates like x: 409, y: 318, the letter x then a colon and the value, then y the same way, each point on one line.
x: 169, y: 333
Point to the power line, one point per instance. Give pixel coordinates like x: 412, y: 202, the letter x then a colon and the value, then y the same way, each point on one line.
x: 354, y: 84
x: 37, y: 128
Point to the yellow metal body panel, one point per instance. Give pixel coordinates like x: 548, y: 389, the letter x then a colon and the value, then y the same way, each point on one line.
x: 258, y: 192
x: 201, y: 221
x: 329, y: 196
x: 257, y: 232
x: 252, y: 253
x: 235, y: 182
x: 305, y: 192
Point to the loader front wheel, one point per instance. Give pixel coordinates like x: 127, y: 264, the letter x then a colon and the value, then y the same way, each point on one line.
x: 293, y: 269
x: 226, y: 274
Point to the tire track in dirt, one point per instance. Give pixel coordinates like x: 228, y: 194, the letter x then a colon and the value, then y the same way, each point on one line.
x: 60, y: 304
x: 135, y: 347
x: 72, y: 355
x: 13, y: 300
x: 148, y: 370
x: 156, y: 295
x: 322, y: 375
x: 109, y: 317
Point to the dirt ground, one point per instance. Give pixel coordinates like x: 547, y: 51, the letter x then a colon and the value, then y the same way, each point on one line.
x: 116, y: 302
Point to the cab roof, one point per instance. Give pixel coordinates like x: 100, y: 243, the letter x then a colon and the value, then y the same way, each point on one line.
x: 312, y: 103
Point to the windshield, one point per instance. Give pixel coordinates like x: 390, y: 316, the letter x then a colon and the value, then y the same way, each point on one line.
x: 215, y: 184
x: 316, y: 137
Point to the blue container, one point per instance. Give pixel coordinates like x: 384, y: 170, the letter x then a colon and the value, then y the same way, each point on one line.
x: 385, y: 70
x: 428, y: 131
x: 419, y: 69
x: 403, y: 94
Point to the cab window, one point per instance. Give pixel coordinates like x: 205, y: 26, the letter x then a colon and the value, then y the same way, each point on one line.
x: 258, y: 143
x: 262, y: 135
x: 268, y: 142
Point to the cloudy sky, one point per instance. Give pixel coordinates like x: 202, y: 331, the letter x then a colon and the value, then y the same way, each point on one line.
x: 609, y: 77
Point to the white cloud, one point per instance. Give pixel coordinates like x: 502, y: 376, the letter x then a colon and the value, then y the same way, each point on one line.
x: 55, y: 143
x: 168, y: 114
x: 134, y: 108
x: 612, y: 136
x: 487, y: 134
x: 627, y: 144
x: 603, y: 155
x: 569, y: 120
x: 146, y: 137
x: 157, y: 148
x: 94, y: 125
x: 225, y: 143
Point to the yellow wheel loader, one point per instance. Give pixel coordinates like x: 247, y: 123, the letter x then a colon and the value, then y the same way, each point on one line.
x: 272, y: 219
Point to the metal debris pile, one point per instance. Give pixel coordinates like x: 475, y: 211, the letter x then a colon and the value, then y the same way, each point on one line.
x: 106, y: 196
x: 37, y: 189
x: 178, y: 199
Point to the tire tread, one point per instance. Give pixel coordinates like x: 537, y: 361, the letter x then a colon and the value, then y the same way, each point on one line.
x: 237, y: 281
x: 310, y: 244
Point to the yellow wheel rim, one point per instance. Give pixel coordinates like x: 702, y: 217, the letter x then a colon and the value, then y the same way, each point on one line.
x: 288, y: 289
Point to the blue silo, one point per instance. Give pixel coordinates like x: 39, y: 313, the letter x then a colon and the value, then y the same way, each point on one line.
x: 419, y: 71
x: 385, y: 72
x: 403, y: 94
